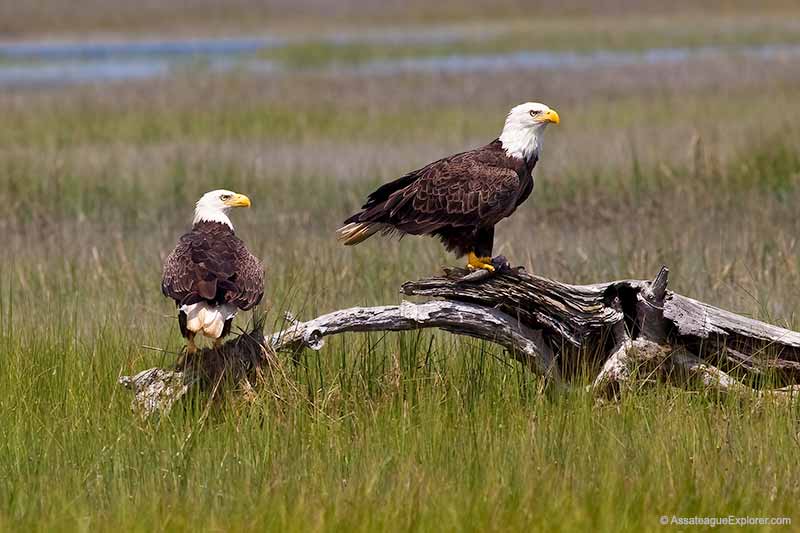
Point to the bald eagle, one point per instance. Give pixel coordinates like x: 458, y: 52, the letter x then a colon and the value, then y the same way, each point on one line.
x: 460, y: 198
x: 211, y: 274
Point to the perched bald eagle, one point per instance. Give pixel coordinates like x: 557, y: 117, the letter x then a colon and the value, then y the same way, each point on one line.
x: 211, y: 274
x: 460, y: 198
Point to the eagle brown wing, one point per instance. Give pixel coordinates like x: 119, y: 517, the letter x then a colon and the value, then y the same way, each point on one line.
x: 472, y: 189
x: 212, y: 264
x: 248, y: 288
x: 179, y: 272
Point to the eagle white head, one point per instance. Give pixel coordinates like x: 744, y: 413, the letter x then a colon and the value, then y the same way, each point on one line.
x: 213, y: 206
x: 522, y: 133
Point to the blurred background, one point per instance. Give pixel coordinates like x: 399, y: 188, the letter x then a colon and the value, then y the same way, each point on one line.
x: 678, y: 141
x: 678, y: 145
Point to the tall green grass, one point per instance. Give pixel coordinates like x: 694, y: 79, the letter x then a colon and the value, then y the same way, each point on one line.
x: 378, y: 432
x: 406, y: 432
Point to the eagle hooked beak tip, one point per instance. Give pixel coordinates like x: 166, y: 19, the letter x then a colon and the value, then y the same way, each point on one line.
x: 238, y: 200
x: 551, y: 116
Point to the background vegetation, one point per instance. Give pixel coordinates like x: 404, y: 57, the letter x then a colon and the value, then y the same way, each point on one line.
x: 693, y: 164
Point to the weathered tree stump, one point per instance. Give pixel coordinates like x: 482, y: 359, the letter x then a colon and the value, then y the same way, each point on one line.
x: 627, y: 333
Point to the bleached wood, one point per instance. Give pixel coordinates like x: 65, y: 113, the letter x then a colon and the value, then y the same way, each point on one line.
x: 157, y: 389
x: 633, y: 362
x: 456, y: 317
x: 578, y: 318
x: 624, y: 330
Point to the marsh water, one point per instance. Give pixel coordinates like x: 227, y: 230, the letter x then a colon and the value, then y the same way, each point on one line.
x: 63, y: 63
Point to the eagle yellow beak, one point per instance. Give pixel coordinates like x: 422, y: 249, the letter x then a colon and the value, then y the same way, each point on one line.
x: 238, y: 200
x: 551, y: 116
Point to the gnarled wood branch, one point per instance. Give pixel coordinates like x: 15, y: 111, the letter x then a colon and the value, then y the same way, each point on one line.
x: 456, y: 317
x: 627, y: 332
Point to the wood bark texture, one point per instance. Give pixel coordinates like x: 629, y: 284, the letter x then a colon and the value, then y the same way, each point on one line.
x: 628, y: 333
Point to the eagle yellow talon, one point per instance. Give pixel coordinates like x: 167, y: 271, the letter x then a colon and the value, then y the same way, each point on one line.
x: 191, y: 347
x: 482, y: 263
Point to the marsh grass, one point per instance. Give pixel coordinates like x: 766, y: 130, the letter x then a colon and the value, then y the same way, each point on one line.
x: 569, y: 34
x: 384, y: 432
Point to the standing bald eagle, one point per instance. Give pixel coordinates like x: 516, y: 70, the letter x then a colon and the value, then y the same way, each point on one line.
x: 211, y: 274
x: 460, y: 198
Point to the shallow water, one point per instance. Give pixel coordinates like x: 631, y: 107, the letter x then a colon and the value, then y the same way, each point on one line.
x: 64, y: 63
x: 534, y: 60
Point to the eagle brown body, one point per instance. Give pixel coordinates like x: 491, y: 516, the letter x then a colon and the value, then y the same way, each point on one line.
x: 211, y: 274
x: 458, y: 199
x: 211, y: 264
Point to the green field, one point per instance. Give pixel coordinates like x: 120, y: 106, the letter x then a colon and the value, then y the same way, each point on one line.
x: 696, y: 166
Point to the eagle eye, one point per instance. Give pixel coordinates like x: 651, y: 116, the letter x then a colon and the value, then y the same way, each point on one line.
x: 534, y: 112
x: 225, y: 197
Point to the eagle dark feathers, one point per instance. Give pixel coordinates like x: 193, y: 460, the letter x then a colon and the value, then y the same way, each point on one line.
x: 458, y: 199
x: 210, y: 263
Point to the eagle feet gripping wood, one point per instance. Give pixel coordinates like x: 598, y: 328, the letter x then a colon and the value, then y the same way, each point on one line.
x: 493, y: 266
x: 479, y: 263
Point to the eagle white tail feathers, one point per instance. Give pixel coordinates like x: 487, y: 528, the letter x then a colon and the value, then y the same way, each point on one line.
x: 356, y: 232
x: 208, y: 319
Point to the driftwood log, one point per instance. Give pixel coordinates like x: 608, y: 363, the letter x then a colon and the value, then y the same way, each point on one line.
x: 626, y: 333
